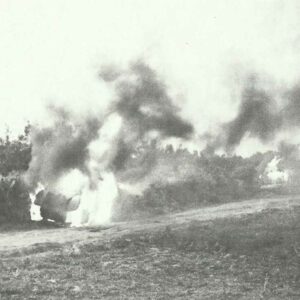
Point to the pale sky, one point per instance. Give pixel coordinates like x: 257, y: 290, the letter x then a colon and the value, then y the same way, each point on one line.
x: 51, y: 51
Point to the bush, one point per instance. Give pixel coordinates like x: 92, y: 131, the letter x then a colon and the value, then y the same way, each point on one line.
x: 14, y: 200
x: 179, y: 180
x: 15, y: 156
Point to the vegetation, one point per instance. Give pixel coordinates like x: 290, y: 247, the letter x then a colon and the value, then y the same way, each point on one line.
x: 15, y: 156
x: 173, y: 180
x: 180, y: 180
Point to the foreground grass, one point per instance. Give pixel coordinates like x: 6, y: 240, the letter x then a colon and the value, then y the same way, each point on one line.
x: 253, y: 257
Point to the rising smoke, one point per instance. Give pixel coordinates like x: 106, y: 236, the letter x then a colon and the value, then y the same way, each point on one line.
x: 60, y: 147
x: 98, y: 147
x: 257, y: 116
x: 291, y: 112
x: 145, y: 107
x: 260, y: 115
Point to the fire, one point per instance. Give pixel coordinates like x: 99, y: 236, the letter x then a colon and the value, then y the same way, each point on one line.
x: 96, y: 204
x: 90, y: 197
x: 274, y: 174
x: 35, y: 214
x: 87, y: 205
x: 99, y: 190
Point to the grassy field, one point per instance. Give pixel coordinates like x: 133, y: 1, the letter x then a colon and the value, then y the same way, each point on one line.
x: 250, y: 257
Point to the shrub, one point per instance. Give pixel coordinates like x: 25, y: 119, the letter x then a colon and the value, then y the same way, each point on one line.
x: 179, y: 180
x: 15, y: 156
x: 14, y: 200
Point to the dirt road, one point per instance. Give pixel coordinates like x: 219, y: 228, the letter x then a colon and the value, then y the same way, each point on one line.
x: 28, y: 240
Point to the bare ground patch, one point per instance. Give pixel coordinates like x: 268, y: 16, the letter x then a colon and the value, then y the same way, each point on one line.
x: 251, y: 257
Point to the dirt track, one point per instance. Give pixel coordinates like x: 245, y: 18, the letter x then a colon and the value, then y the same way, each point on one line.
x: 20, y: 240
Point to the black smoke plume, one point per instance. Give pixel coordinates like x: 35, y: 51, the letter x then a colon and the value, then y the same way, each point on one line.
x: 291, y: 111
x: 60, y: 147
x: 145, y: 106
x: 259, y: 116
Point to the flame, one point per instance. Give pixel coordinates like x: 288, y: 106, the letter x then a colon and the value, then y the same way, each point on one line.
x: 96, y: 204
x: 274, y: 174
x: 97, y: 192
x: 35, y: 214
x: 71, y: 184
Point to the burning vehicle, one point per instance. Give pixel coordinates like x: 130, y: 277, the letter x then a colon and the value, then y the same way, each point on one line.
x: 55, y: 206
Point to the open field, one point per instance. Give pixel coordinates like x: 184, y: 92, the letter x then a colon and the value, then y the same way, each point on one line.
x: 246, y: 250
